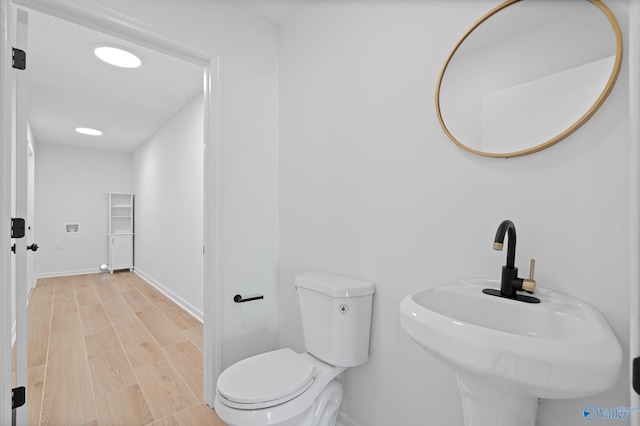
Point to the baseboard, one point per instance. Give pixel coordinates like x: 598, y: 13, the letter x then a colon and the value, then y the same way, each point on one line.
x: 66, y: 273
x: 344, y: 420
x: 194, y: 312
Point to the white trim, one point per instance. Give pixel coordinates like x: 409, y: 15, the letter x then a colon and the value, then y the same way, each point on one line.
x: 5, y: 213
x: 212, y: 250
x: 118, y: 25
x: 108, y: 21
x: 192, y: 310
x: 20, y: 156
x: 67, y: 273
x: 21, y: 178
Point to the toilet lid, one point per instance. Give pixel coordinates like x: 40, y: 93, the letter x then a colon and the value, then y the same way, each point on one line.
x: 266, y: 380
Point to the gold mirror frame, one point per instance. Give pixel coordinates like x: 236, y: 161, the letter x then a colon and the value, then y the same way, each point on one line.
x: 583, y: 119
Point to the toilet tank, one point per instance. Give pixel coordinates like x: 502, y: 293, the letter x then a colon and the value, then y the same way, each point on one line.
x: 336, y: 317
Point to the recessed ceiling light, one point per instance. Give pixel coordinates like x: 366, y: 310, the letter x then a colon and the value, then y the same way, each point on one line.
x: 118, y: 57
x: 88, y: 131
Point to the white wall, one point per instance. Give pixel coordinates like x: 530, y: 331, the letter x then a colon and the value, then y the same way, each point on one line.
x: 371, y: 187
x: 168, y: 181
x: 71, y: 186
x: 634, y: 201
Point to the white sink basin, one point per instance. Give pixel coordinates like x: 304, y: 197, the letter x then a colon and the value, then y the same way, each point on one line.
x: 558, y: 348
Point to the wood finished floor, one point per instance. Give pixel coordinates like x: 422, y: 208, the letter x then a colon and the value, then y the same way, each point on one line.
x: 109, y: 349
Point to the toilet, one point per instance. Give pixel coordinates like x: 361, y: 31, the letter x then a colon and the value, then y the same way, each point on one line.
x: 286, y: 388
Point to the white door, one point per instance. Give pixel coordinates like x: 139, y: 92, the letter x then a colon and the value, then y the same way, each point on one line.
x: 21, y: 179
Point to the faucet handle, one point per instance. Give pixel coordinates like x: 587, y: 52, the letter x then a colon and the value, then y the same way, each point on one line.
x: 530, y: 284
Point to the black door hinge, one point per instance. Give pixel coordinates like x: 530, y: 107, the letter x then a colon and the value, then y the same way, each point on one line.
x: 17, y: 227
x: 18, y: 397
x: 19, y: 59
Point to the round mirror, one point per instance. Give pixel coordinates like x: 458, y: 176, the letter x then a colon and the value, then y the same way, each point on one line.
x: 528, y: 74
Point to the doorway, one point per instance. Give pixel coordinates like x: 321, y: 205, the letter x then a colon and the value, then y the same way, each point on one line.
x: 133, y: 32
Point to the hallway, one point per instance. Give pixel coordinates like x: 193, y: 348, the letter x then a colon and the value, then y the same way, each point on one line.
x: 109, y: 349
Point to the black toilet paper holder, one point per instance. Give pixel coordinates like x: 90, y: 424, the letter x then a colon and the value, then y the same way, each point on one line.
x: 239, y: 299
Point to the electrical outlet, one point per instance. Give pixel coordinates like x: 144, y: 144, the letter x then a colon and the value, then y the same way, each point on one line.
x: 58, y: 245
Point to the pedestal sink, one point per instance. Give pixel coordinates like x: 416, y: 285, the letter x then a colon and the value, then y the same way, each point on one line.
x: 507, y: 354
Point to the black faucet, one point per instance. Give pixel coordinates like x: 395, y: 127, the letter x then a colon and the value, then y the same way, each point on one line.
x: 510, y: 284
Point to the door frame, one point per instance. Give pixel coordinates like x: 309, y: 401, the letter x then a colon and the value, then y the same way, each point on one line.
x: 121, y: 26
x: 5, y: 213
x: 634, y: 200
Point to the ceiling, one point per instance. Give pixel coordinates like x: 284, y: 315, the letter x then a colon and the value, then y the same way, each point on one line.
x: 70, y: 87
x: 274, y: 11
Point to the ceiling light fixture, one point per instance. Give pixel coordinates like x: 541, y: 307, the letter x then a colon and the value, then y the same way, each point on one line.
x: 89, y: 131
x: 118, y: 57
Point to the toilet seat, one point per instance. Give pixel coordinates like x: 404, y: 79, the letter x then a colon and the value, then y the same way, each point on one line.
x: 265, y: 380
x: 288, y: 413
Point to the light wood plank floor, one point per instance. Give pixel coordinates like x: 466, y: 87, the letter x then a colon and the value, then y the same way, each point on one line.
x: 109, y: 349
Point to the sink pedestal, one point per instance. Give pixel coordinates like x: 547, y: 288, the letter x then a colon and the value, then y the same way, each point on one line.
x: 491, y: 405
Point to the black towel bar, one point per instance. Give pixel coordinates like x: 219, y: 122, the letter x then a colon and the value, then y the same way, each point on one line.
x: 239, y: 299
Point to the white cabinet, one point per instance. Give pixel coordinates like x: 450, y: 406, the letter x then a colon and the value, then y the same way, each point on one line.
x: 121, y: 252
x: 120, y: 238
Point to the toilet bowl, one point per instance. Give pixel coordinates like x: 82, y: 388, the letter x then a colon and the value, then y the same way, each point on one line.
x: 279, y: 388
x: 285, y: 388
